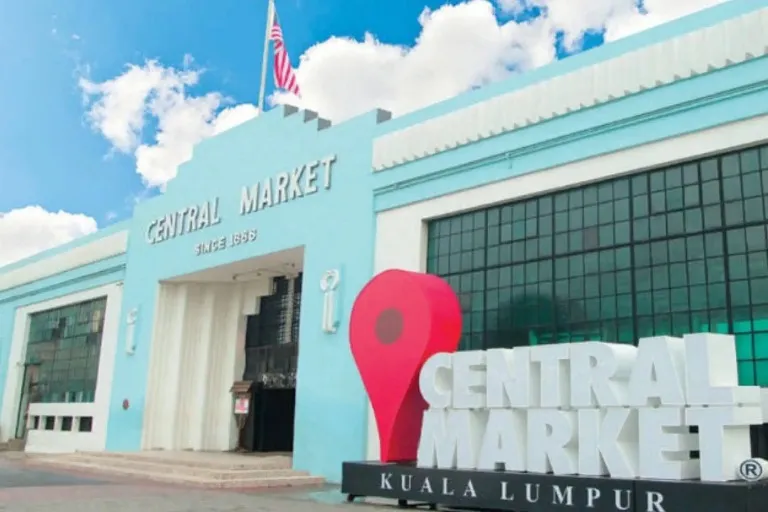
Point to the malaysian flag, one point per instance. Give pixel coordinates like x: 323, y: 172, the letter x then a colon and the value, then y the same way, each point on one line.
x: 285, y: 78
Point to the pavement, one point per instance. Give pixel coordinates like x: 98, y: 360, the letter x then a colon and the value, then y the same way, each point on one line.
x: 26, y: 488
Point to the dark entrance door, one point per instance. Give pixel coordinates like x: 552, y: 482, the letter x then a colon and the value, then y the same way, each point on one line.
x: 271, y: 352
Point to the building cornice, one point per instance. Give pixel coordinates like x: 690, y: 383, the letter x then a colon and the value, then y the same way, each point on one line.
x: 699, y: 52
x: 575, y: 137
x: 59, y: 263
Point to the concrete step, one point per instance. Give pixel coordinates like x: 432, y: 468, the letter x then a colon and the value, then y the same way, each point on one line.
x: 211, y: 470
x: 221, y: 461
x: 237, y: 479
x: 17, y: 445
x: 13, y: 445
x: 168, y: 468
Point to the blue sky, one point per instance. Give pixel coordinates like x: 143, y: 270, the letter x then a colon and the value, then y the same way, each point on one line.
x: 51, y: 155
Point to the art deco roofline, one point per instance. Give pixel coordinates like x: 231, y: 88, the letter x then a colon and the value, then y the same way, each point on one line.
x: 705, y: 50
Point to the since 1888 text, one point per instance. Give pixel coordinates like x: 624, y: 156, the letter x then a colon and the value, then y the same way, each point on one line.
x: 219, y: 244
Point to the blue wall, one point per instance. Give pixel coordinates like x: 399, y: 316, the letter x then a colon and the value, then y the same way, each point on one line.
x: 336, y: 229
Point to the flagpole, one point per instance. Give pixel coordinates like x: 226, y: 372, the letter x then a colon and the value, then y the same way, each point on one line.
x: 265, y: 58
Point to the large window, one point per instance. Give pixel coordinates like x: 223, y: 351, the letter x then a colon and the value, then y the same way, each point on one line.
x: 64, y: 345
x: 670, y: 251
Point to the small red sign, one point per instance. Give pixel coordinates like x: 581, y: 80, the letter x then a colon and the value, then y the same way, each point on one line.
x: 242, y: 405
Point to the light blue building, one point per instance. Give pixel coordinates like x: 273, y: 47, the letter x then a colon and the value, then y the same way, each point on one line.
x: 616, y: 194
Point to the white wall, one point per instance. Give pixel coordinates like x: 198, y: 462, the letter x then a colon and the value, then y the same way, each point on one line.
x: 97, y: 250
x: 401, y: 232
x: 198, y: 351
x: 46, y: 441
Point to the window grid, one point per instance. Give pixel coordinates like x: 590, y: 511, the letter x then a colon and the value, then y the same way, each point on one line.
x: 664, y: 252
x: 65, y: 344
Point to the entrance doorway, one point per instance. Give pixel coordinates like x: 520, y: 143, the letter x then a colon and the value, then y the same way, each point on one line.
x: 199, y: 349
x: 271, y: 353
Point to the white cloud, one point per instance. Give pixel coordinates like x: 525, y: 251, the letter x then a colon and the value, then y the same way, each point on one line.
x: 182, y: 122
x: 233, y: 116
x: 657, y: 12
x: 459, y: 47
x: 619, y: 18
x: 121, y: 108
x: 32, y: 229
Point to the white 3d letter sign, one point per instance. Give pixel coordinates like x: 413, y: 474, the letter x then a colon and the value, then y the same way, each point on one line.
x: 593, y: 408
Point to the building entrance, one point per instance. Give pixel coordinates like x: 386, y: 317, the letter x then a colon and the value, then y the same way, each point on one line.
x: 271, y: 353
x: 217, y: 327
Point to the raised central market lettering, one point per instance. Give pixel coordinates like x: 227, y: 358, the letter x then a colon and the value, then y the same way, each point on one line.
x: 186, y: 220
x: 592, y: 408
x: 303, y: 181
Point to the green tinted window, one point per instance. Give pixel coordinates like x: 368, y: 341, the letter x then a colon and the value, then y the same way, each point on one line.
x: 671, y: 251
x: 65, y: 344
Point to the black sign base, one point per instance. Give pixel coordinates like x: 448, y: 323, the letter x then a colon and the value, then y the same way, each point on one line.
x: 528, y: 492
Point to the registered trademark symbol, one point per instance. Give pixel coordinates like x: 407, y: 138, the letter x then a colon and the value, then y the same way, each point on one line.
x: 751, y: 470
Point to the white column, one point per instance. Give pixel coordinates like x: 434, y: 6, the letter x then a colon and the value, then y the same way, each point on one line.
x: 170, y: 383
x: 202, y: 368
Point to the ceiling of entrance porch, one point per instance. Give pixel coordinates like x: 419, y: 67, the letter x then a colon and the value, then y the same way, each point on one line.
x: 268, y: 265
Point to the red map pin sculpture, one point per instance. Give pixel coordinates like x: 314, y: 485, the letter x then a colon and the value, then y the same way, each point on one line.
x: 399, y: 320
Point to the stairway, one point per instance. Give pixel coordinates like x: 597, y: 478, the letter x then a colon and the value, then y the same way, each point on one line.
x: 13, y: 445
x: 199, y: 469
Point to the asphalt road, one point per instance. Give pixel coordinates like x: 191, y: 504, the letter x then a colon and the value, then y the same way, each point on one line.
x: 24, y: 488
